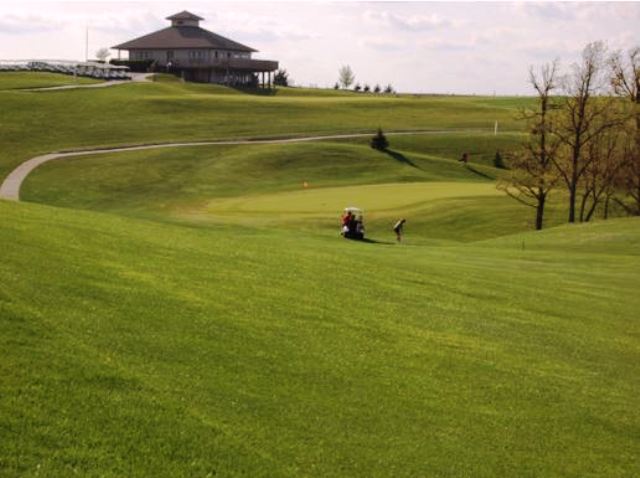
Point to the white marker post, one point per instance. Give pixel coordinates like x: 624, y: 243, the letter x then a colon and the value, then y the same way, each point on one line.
x: 495, y: 129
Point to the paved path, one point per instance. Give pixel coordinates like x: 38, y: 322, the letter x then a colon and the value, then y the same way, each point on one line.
x: 10, y: 188
x: 135, y: 78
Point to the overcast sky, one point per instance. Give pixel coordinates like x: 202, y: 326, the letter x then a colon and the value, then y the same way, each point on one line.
x: 429, y: 47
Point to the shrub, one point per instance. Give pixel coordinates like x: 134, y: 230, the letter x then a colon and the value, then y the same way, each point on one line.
x: 281, y: 78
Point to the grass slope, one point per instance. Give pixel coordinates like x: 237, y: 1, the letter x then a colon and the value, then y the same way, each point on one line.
x: 139, y: 348
x: 199, y: 184
x: 200, y: 317
x: 13, y: 80
x: 39, y: 122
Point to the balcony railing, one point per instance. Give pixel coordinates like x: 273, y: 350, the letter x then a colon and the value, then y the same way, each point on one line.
x: 247, y: 64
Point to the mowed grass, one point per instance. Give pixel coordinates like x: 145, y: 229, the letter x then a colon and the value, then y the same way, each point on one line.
x: 192, y: 312
x: 14, y: 80
x: 140, y: 348
x: 40, y: 122
x: 199, y: 185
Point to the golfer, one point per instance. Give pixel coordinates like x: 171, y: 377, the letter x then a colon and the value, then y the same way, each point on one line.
x: 398, y: 229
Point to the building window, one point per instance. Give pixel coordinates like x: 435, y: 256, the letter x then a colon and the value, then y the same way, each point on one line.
x: 197, y: 54
x: 169, y: 55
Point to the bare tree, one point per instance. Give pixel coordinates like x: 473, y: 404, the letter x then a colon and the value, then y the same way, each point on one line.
x: 532, y: 172
x: 346, y: 76
x: 605, y: 158
x: 625, y: 79
x: 102, y: 54
x: 582, y: 115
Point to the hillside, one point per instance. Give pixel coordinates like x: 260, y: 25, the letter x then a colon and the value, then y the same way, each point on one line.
x: 137, y: 348
x: 192, y: 311
x: 40, y: 122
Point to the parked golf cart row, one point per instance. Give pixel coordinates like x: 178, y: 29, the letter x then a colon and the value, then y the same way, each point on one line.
x: 89, y: 69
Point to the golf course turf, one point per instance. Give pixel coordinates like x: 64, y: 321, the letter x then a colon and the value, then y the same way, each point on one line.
x: 193, y: 311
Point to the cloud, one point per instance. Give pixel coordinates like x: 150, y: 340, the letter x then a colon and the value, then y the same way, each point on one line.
x: 21, y: 24
x: 441, y: 44
x: 134, y: 24
x: 552, y: 10
x: 410, y: 23
x: 383, y: 44
x: 258, y: 28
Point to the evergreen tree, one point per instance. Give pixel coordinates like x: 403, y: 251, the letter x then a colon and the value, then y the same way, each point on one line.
x: 379, y: 141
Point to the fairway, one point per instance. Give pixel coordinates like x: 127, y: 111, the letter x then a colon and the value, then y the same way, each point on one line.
x: 192, y: 311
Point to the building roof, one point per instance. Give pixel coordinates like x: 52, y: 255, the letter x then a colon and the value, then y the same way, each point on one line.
x: 176, y: 37
x: 184, y: 15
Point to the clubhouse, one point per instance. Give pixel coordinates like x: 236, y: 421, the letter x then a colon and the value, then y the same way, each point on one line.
x: 199, y: 55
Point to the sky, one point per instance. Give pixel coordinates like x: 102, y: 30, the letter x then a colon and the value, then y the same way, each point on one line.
x: 420, y: 47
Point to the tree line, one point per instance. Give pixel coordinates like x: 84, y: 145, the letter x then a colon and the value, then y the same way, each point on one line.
x: 583, y: 137
x: 346, y: 78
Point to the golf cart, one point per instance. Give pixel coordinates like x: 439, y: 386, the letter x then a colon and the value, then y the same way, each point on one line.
x: 352, y: 225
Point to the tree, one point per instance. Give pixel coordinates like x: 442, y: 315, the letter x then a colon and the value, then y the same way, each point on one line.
x: 532, y: 174
x: 388, y: 89
x: 601, y: 173
x: 102, y: 54
x: 346, y: 76
x: 379, y: 141
x: 357, y: 87
x: 281, y: 78
x: 336, y: 86
x: 366, y: 88
x: 582, y: 119
x: 377, y: 89
x: 625, y: 79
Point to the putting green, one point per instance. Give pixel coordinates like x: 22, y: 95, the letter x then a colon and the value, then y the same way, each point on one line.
x: 378, y: 198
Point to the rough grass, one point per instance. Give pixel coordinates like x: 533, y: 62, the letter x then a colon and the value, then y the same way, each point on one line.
x: 138, y: 348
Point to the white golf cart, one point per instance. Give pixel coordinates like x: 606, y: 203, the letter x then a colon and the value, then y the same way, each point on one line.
x: 352, y: 224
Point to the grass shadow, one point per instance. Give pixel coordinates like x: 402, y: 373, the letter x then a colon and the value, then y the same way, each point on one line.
x: 401, y: 158
x: 479, y: 173
x: 375, y: 241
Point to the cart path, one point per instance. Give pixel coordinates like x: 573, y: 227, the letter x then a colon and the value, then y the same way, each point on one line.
x: 10, y: 187
x: 135, y: 78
